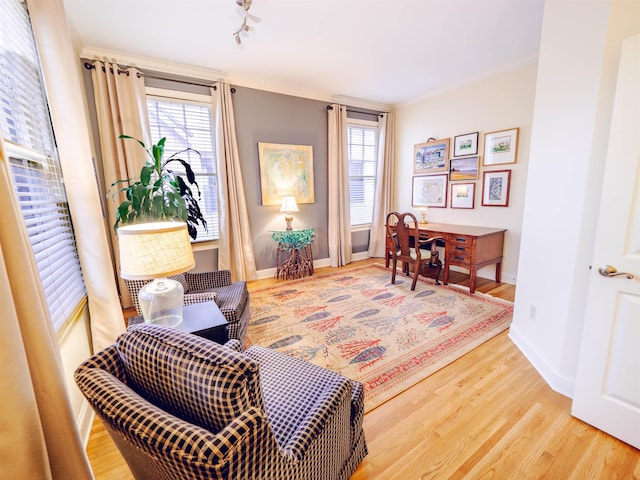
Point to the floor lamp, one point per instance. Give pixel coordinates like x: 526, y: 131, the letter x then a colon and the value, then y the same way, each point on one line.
x: 156, y: 251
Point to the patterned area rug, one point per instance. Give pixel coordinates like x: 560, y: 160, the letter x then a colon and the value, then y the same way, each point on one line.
x: 354, y: 321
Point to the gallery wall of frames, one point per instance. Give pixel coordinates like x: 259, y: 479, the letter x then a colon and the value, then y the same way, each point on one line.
x: 446, y: 172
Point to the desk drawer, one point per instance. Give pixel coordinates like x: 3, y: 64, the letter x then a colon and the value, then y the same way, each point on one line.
x: 458, y: 258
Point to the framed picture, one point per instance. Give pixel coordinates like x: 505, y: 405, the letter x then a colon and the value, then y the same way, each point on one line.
x: 463, y: 195
x: 464, y: 168
x: 431, y: 157
x: 429, y: 191
x: 466, y: 144
x: 501, y: 147
x: 495, y: 188
x: 286, y: 170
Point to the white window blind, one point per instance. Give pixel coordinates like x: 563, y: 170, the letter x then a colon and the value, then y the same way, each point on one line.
x: 190, y: 124
x: 362, y: 142
x: 35, y: 169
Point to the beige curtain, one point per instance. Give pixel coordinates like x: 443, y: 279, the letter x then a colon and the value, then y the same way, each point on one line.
x: 38, y: 436
x: 61, y: 71
x: 235, y: 247
x: 339, y: 230
x: 385, y: 178
x: 121, y: 109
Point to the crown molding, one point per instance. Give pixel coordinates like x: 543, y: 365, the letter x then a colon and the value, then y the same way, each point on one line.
x: 457, y: 86
x: 145, y: 63
x: 183, y: 70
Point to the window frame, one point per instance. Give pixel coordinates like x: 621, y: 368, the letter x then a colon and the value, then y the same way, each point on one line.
x: 357, y: 122
x: 40, y: 192
x: 202, y: 100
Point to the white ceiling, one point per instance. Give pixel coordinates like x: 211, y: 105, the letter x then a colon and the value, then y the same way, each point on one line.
x: 384, y: 52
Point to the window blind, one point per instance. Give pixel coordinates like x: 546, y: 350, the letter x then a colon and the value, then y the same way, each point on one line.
x: 190, y: 124
x: 362, y: 151
x: 26, y: 128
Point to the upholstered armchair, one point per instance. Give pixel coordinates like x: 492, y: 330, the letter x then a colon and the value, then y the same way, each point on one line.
x: 231, y: 297
x: 181, y: 407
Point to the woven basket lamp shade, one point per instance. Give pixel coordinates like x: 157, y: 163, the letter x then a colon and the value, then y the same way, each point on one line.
x: 155, y: 251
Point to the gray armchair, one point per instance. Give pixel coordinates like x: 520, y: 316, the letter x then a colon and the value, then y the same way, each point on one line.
x: 231, y: 297
x: 180, y: 406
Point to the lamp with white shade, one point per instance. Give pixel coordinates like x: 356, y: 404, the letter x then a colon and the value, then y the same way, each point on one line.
x: 288, y: 206
x: 155, y: 251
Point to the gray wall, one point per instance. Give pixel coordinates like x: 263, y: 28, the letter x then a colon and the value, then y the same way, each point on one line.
x: 275, y: 118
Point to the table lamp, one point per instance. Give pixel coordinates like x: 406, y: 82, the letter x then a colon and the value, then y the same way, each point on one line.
x: 155, y: 251
x: 289, y: 205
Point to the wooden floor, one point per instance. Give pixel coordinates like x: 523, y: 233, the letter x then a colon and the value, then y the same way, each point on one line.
x: 487, y: 415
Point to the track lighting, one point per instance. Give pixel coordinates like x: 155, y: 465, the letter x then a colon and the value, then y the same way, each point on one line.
x: 245, y: 5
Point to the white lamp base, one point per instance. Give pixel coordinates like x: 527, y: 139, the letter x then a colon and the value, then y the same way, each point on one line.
x: 161, y: 302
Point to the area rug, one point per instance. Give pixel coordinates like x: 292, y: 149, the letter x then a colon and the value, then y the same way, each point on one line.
x: 355, y: 322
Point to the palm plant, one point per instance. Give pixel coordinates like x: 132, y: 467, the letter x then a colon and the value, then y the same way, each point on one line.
x: 160, y: 193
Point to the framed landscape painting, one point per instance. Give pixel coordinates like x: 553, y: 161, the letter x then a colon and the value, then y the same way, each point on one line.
x: 466, y: 144
x: 286, y: 170
x: 431, y: 157
x: 501, y: 147
x: 429, y: 191
x: 464, y: 168
x: 495, y: 188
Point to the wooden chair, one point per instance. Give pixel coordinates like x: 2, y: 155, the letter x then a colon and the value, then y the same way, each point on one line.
x: 415, y: 250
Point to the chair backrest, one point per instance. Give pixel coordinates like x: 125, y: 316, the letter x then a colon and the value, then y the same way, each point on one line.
x: 401, y: 228
x: 199, y: 381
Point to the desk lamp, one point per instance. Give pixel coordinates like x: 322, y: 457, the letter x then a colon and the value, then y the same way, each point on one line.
x: 289, y: 205
x: 156, y: 251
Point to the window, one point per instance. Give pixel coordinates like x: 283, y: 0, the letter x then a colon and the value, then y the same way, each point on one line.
x: 362, y: 140
x: 189, y: 123
x: 33, y: 160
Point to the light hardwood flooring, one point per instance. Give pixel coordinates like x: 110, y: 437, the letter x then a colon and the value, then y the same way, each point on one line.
x: 487, y: 415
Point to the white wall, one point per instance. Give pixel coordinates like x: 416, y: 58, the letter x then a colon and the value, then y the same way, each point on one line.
x: 577, y: 68
x: 500, y: 102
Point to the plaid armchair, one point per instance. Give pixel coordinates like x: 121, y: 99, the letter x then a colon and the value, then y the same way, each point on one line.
x: 179, y: 406
x: 231, y: 297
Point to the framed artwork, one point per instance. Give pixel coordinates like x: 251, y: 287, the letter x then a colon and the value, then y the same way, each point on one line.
x: 501, y: 147
x: 466, y: 144
x: 463, y: 195
x: 495, y: 188
x: 431, y: 157
x: 464, y: 168
x: 286, y: 170
x: 429, y: 191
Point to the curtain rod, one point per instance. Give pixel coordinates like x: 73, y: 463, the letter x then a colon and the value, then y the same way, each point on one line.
x: 89, y: 66
x: 329, y: 107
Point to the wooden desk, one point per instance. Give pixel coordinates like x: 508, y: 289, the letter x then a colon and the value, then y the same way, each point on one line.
x: 468, y: 247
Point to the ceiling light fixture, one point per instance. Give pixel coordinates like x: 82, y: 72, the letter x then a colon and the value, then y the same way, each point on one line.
x: 245, y: 5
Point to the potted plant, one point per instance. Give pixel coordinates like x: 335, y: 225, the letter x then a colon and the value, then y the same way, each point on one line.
x: 160, y: 193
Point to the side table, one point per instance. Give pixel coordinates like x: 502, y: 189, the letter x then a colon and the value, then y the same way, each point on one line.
x: 294, y: 257
x: 201, y: 319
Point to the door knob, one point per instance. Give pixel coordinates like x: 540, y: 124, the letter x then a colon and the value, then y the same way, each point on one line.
x: 611, y: 271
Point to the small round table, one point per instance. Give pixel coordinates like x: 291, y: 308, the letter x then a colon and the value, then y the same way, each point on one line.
x: 294, y: 257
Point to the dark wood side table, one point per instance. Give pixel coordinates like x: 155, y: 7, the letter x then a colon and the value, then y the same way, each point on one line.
x: 202, y: 319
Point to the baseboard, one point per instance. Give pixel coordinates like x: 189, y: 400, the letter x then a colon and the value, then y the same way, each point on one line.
x: 559, y: 383
x: 84, y: 422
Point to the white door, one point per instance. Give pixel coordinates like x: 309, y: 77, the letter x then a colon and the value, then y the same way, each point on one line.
x: 607, y: 391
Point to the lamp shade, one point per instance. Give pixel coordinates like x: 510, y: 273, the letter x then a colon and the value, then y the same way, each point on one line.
x: 154, y: 250
x: 289, y: 204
